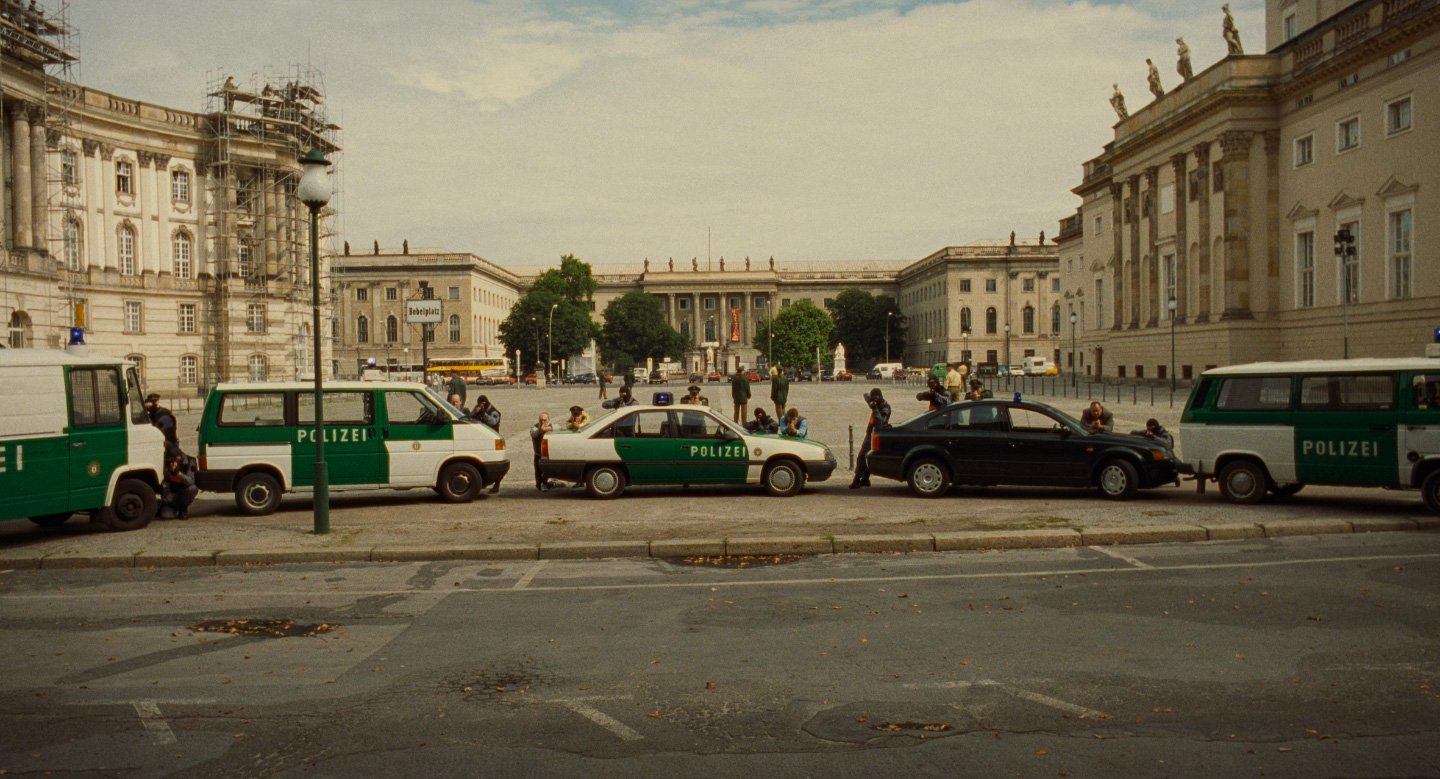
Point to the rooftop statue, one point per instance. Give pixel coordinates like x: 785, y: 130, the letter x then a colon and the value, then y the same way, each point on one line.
x: 1186, y: 72
x: 747, y: 263
x: 1232, y: 35
x: 1117, y: 102
x: 672, y: 264
x: 647, y: 264
x: 1154, y: 79
x: 695, y: 264
x: 772, y: 263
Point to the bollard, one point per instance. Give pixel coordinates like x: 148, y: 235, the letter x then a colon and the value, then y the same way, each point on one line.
x: 1152, y: 396
x: 852, y: 447
x: 1134, y: 395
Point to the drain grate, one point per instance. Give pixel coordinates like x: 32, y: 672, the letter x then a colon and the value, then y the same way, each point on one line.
x: 267, y: 628
x: 900, y: 727
x: 500, y: 683
x: 741, y: 561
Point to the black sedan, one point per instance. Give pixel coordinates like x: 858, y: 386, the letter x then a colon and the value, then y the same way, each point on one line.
x: 989, y: 442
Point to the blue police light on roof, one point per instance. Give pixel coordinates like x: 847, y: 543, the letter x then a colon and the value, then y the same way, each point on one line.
x: 662, y: 399
x: 1437, y: 335
x: 1017, y: 396
x: 77, y: 336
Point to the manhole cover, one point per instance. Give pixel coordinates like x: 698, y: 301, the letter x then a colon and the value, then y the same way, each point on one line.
x: 741, y: 561
x: 501, y: 683
x: 267, y: 628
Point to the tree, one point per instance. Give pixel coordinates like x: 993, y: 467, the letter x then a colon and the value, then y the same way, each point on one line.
x: 634, y: 328
x: 860, y: 324
x: 571, y: 281
x: 528, y: 327
x: 799, y: 330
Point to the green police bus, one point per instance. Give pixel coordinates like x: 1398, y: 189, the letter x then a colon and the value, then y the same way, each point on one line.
x: 1276, y: 427
x: 74, y: 437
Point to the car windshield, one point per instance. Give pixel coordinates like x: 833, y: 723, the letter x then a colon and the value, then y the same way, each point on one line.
x: 445, y: 404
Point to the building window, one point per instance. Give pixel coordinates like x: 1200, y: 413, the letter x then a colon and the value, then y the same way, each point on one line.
x: 1217, y: 177
x: 67, y: 168
x: 189, y: 370
x: 1099, y: 225
x: 1167, y: 199
x: 72, y: 245
x: 1397, y: 116
x: 1350, y: 80
x: 186, y: 318
x: 1304, y: 150
x: 391, y: 293
x: 182, y: 247
x: 1028, y: 285
x: 125, y: 250
x: 454, y: 328
x: 709, y: 304
x: 124, y: 178
x: 1350, y: 269
x: 1347, y: 134
x: 990, y: 285
x: 427, y: 292
x: 990, y: 321
x: 1305, y: 267
x: 1401, y: 228
x: 362, y: 294
x: 80, y: 316
x: 710, y: 330
x: 760, y: 302
x: 1055, y: 319
x: 259, y: 367
x: 685, y: 329
x: 829, y: 302
x: 1055, y: 284
x: 1399, y: 57
x: 685, y: 304
x: 1289, y: 27
x: 180, y: 186
x: 992, y: 356
x: 134, y: 316
x: 964, y: 285
x: 1099, y: 304
x: 965, y: 320
x: 244, y: 193
x: 1027, y: 320
x: 454, y: 293
x: 362, y: 330
x: 255, y: 318
x: 392, y: 329
x: 242, y: 252
x: 1193, y: 185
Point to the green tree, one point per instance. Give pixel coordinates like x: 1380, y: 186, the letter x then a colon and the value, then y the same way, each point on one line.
x: 799, y: 330
x: 571, y: 281
x: 634, y: 328
x: 528, y: 328
x: 860, y: 324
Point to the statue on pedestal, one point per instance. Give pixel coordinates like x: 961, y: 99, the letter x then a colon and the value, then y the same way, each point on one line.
x: 695, y: 264
x: 722, y: 263
x: 1154, y: 79
x: 1183, y: 66
x: 672, y: 264
x: 1232, y: 35
x: 839, y: 357
x: 1117, y: 102
x: 647, y: 264
x: 772, y: 262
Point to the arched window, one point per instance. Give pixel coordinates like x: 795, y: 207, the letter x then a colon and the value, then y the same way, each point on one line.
x: 72, y: 245
x: 454, y: 328
x: 1028, y: 319
x: 125, y: 250
x: 710, y: 330
x: 990, y: 321
x: 1055, y: 319
x: 362, y: 330
x: 392, y: 329
x: 965, y: 324
x: 182, y: 246
x: 19, y: 330
x: 259, y: 367
x: 242, y: 253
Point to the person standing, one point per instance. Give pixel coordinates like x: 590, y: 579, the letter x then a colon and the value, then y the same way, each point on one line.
x: 457, y: 387
x: 879, y: 419
x: 954, y: 381
x: 740, y: 393
x: 602, y: 379
x: 779, y: 390
x: 537, y: 437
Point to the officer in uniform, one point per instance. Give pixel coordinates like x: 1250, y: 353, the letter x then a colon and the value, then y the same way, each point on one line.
x: 695, y: 398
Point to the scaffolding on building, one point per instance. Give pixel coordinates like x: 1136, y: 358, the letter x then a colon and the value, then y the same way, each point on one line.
x: 256, y: 133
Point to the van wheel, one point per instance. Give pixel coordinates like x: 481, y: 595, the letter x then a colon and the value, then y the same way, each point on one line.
x: 1285, y: 491
x: 257, y: 494
x: 1430, y: 491
x: 133, y: 506
x: 459, y: 483
x: 783, y: 479
x: 1243, y: 481
x: 53, y: 520
x: 1119, y: 480
x: 604, y: 482
x: 928, y: 479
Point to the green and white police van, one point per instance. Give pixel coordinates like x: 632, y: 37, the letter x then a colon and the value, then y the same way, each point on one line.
x: 680, y: 445
x: 1276, y: 427
x: 74, y: 436
x: 258, y: 441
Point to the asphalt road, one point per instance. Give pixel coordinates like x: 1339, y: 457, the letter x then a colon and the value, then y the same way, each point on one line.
x: 1316, y: 656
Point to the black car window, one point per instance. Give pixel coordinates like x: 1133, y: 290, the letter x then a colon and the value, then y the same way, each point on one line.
x: 941, y: 421
x: 978, y: 418
x: 1027, y: 420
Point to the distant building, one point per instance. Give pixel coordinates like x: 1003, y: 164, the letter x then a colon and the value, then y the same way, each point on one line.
x: 1225, y: 196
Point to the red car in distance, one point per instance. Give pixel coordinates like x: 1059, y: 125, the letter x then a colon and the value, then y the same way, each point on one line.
x: 715, y: 377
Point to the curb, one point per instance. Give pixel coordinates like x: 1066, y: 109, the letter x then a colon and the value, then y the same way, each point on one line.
x: 788, y: 545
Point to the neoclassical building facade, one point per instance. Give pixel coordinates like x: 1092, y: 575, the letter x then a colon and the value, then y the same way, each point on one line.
x: 1225, y: 196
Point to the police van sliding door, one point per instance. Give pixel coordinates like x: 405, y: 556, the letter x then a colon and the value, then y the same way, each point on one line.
x: 99, y: 442
x: 1422, y: 422
x: 354, y: 452
x: 1346, y: 430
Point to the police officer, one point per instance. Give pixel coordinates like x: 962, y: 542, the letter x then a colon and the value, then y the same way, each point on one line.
x: 457, y: 387
x: 879, y: 418
x: 740, y: 393
x: 578, y: 418
x: 162, y: 419
x: 779, y: 390
x: 695, y: 398
x: 621, y: 400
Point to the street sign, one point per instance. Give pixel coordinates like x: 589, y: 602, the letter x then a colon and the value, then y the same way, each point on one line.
x: 422, y: 312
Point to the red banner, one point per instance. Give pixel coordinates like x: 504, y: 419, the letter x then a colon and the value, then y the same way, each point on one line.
x: 734, y: 325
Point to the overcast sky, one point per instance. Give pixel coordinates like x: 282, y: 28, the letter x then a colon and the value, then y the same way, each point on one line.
x: 623, y: 129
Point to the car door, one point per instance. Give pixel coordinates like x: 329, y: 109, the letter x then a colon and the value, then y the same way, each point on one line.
x: 1421, y: 436
x: 354, y: 453
x: 646, y: 444
x: 1346, y: 430
x: 1043, y: 450
x: 974, y: 437
x: 98, y: 439
x: 417, y: 436
x: 706, y: 451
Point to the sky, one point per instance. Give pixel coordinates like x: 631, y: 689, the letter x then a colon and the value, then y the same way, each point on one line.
x: 616, y: 130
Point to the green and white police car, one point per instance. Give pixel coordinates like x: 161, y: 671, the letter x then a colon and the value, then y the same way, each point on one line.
x: 1276, y: 427
x: 258, y: 441
x: 74, y: 436
x: 680, y: 444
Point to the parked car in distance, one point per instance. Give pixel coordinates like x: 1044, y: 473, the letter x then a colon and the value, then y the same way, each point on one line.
x: 844, y: 376
x: 753, y: 376
x: 696, y: 378
x: 987, y: 369
x: 1015, y: 370
x: 806, y: 376
x: 529, y: 378
x: 715, y: 377
x: 900, y: 373
x: 655, y: 377
x: 991, y: 442
x: 874, y: 375
x: 827, y: 374
x: 582, y: 378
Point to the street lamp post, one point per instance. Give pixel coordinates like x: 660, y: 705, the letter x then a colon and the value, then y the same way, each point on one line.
x: 550, y: 342
x: 888, y: 315
x: 1171, y: 307
x: 965, y: 348
x: 1007, y: 348
x: 314, y: 192
x: 1345, y: 251
x: 769, y: 335
x: 1074, y: 366
x: 536, y: 322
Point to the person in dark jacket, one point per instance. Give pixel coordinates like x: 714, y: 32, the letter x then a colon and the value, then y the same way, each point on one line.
x: 879, y: 419
x: 162, y: 419
x: 457, y: 386
x: 779, y: 390
x: 537, y: 435
x: 486, y: 414
x: 763, y: 423
x: 603, y: 379
x: 935, y: 394
x: 1097, y: 418
x: 621, y: 400
x: 179, y: 490
x: 1154, y: 431
x: 695, y: 398
x: 740, y: 393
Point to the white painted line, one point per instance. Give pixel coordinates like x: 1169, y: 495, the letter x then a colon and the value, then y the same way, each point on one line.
x: 7, y: 570
x: 1054, y: 703
x: 154, y: 722
x: 603, y: 720
x: 530, y: 574
x: 1109, y: 552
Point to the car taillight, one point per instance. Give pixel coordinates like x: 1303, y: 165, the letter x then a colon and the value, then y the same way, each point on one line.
x: 545, y: 449
x: 499, y: 444
x: 874, y: 442
x: 203, y: 467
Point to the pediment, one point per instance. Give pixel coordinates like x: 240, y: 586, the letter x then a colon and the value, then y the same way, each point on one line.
x: 1299, y: 211
x: 1394, y: 186
x: 1344, y: 199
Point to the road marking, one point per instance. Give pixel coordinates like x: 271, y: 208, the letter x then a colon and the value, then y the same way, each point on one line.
x: 1109, y: 552
x: 154, y: 722
x: 1035, y: 697
x: 530, y: 574
x: 602, y: 719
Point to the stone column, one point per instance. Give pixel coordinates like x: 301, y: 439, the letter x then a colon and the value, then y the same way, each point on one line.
x: 1272, y: 221
x: 267, y: 200
x: 1152, y: 240
x: 1235, y: 166
x: 151, y: 254
x: 162, y: 216
x: 20, y: 167
x: 5, y: 219
x: 697, y: 325
x: 1182, y: 217
x: 1202, y: 260
x: 107, y: 214
x: 39, y: 188
x: 91, y: 238
x: 1135, y: 257
x: 1117, y: 256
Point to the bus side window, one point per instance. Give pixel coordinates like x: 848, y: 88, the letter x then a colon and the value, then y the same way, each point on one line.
x: 1427, y: 391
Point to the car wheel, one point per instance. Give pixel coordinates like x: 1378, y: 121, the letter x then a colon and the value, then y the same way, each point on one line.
x: 604, y: 482
x: 257, y: 494
x: 928, y: 479
x: 53, y: 520
x: 1243, y: 481
x: 132, y: 507
x: 1285, y: 491
x: 459, y: 483
x: 783, y: 478
x: 1119, y: 480
x: 1430, y: 491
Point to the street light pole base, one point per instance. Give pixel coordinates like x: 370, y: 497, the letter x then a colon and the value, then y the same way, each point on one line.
x: 322, y: 498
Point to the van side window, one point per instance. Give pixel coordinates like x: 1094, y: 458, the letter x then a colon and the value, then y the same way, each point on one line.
x: 342, y: 409
x: 1257, y: 393
x: 1202, y: 394
x: 1426, y: 389
x: 95, y: 397
x: 252, y: 409
x: 1347, y: 393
